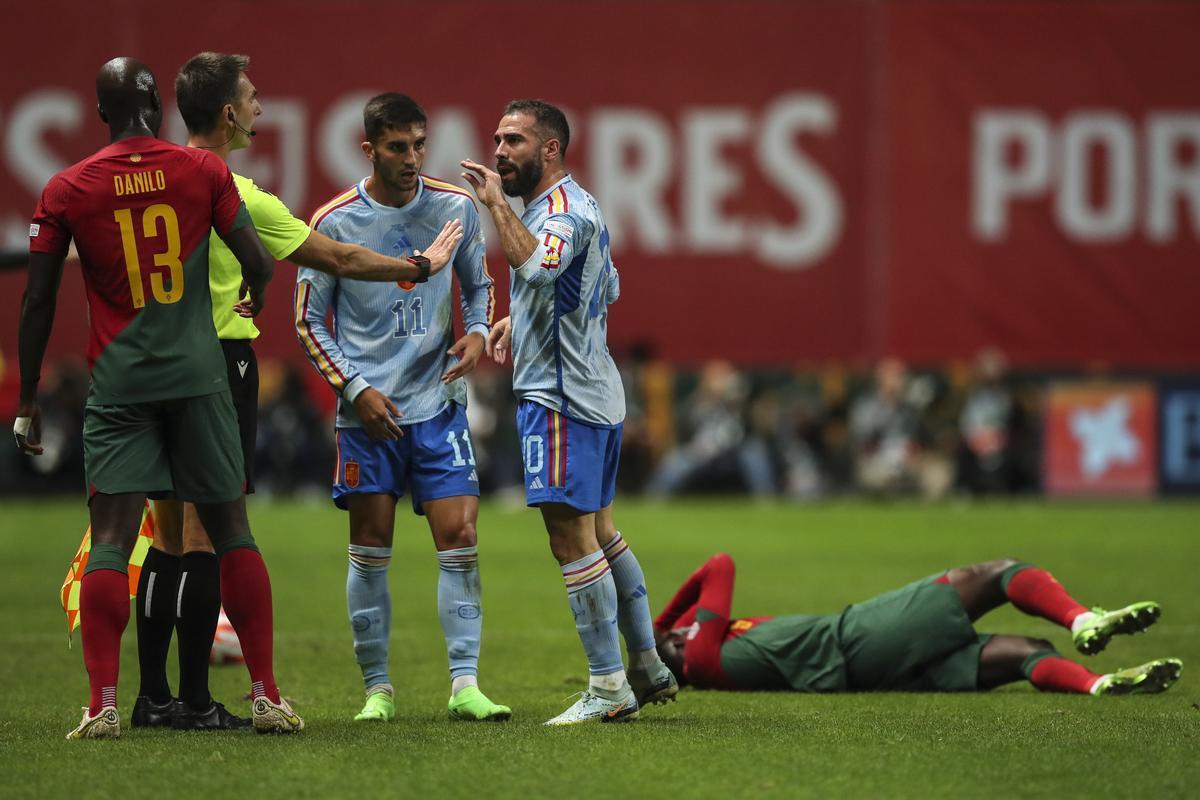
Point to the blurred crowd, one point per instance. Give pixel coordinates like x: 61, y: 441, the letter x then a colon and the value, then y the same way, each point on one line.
x: 890, y: 430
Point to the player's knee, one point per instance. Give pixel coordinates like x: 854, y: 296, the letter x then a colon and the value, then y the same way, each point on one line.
x: 1002, y: 564
x: 1035, y: 645
x: 564, y: 548
x: 461, y: 536
x: 371, y: 536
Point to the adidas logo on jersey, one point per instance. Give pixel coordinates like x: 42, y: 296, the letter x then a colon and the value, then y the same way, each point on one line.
x: 473, y: 477
x: 537, y: 484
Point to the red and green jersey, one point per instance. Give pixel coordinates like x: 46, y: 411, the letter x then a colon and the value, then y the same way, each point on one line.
x: 140, y: 212
x: 800, y: 653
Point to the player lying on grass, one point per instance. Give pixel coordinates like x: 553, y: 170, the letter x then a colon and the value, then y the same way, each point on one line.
x: 916, y: 638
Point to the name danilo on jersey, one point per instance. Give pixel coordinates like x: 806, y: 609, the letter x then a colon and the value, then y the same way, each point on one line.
x: 139, y: 182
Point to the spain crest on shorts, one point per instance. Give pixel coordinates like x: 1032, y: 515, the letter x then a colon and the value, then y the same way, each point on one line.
x: 350, y: 471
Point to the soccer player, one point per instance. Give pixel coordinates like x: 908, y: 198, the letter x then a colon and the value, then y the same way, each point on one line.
x: 917, y: 638
x: 220, y: 106
x: 401, y: 423
x: 571, y: 403
x: 159, y: 418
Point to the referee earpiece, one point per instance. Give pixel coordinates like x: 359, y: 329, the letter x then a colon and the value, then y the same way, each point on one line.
x: 233, y: 121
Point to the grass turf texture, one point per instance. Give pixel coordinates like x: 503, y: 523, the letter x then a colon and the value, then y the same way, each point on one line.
x: 807, y: 559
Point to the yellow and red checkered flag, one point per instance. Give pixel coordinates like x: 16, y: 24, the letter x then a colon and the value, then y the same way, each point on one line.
x: 70, y: 587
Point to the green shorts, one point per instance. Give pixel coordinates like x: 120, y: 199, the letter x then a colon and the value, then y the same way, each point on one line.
x: 184, y: 448
x: 915, y: 639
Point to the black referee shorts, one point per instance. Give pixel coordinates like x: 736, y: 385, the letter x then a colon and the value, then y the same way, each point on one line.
x: 242, y: 366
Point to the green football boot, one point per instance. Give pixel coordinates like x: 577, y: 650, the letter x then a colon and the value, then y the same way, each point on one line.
x: 472, y: 705
x: 1150, y: 678
x: 1094, y: 635
x: 380, y: 707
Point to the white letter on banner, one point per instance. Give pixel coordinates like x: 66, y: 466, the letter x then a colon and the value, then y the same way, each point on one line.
x: 1170, y: 178
x: 1113, y: 135
x: 993, y: 181
x: 815, y: 196
x: 632, y: 189
x: 24, y: 149
x: 707, y: 178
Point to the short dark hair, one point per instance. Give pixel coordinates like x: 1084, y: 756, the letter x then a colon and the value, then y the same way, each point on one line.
x: 388, y: 111
x: 549, y: 120
x: 206, y: 83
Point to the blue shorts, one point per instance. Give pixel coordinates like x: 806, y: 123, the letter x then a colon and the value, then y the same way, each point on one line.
x: 567, y: 461
x: 434, y: 459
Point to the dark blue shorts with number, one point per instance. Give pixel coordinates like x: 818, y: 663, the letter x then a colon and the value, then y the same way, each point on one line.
x: 433, y: 459
x: 567, y: 461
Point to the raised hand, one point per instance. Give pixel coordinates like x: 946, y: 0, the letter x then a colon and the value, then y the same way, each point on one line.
x: 485, y: 182
x: 443, y: 246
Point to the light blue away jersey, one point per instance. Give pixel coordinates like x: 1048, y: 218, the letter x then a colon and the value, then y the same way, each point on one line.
x: 559, y: 309
x: 393, y: 337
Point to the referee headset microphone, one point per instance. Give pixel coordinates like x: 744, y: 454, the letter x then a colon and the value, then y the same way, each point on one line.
x: 239, y: 127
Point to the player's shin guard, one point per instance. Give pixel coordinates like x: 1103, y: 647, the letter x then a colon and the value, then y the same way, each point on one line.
x: 1036, y: 592
x: 459, y: 608
x: 246, y: 592
x: 155, y: 615
x: 104, y: 611
x: 633, y: 602
x: 370, y: 607
x: 1050, y: 672
x: 592, y: 596
x: 198, y: 606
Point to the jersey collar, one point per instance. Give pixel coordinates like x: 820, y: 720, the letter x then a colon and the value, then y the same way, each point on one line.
x: 407, y: 208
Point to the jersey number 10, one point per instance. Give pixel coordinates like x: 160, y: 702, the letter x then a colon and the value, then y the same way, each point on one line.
x: 168, y: 258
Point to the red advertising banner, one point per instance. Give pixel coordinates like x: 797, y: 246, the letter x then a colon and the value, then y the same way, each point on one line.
x: 1101, y: 439
x: 783, y: 182
x: 1044, y: 181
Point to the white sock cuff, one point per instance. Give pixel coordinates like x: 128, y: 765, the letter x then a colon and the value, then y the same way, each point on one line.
x: 459, y: 559
x: 583, y: 572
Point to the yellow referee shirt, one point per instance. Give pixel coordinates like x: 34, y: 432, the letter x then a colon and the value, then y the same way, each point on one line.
x: 281, y: 232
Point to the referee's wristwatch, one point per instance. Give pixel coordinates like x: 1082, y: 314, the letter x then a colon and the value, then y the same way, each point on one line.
x: 421, y: 263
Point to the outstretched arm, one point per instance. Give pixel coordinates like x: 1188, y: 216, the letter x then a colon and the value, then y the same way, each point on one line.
x: 37, y: 320
x: 345, y: 260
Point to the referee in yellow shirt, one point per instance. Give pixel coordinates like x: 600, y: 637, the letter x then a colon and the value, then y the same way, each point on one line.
x: 220, y: 105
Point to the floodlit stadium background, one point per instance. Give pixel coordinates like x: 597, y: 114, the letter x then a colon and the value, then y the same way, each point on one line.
x: 1005, y: 198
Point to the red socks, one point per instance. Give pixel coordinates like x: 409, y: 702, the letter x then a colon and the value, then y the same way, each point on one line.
x: 246, y: 594
x: 1057, y: 674
x: 1036, y: 592
x: 104, y: 613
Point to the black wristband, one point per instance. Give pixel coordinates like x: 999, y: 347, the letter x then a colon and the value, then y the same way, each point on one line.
x: 422, y: 264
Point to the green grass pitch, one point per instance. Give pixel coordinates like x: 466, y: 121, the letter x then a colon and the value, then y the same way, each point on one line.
x: 1011, y: 742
